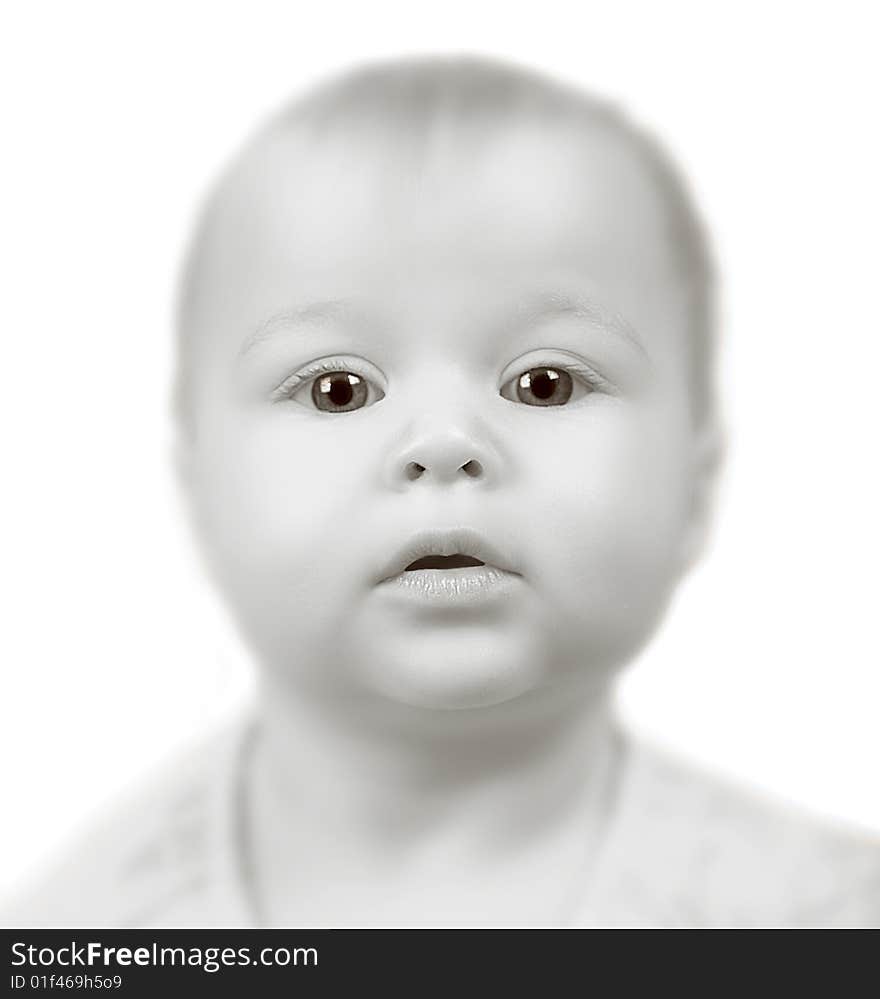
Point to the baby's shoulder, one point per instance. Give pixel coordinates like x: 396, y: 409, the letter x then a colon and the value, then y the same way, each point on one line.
x: 700, y: 850
x: 153, y: 857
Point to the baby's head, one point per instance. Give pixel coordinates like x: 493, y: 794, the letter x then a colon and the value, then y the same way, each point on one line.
x: 450, y: 296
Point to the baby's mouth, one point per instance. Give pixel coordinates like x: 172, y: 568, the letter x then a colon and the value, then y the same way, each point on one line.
x: 444, y: 581
x: 443, y: 562
x: 458, y: 553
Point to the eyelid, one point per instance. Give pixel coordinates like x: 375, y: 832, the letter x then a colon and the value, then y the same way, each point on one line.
x: 355, y: 365
x: 571, y: 363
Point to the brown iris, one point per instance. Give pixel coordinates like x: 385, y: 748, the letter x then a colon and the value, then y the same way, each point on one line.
x: 339, y: 392
x: 544, y: 387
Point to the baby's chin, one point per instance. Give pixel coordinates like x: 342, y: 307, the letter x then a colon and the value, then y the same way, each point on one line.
x: 466, y: 667
x: 453, y: 682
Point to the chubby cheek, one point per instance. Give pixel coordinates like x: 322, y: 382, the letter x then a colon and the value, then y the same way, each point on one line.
x: 277, y: 505
x: 615, y: 513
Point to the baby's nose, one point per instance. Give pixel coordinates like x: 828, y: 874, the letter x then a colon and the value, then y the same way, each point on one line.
x: 441, y: 456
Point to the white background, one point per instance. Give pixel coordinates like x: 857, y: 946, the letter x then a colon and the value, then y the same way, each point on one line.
x: 114, y: 119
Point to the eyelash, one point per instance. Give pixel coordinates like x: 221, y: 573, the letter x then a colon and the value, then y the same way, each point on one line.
x: 285, y: 390
x: 589, y: 375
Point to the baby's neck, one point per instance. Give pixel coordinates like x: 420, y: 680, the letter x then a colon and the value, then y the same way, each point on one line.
x: 482, y: 795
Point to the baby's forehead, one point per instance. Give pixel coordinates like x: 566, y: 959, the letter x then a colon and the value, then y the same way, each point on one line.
x: 380, y: 164
x: 522, y: 194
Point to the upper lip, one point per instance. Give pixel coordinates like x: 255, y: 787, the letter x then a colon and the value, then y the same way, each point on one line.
x: 455, y: 541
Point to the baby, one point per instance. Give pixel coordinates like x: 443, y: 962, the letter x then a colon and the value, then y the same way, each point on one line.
x: 447, y: 431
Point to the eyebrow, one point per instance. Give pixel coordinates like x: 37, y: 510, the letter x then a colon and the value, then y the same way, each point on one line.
x: 548, y: 305
x: 310, y: 314
x: 551, y: 305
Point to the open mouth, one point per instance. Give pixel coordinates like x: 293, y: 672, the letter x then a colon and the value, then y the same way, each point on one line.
x: 440, y: 557
x: 443, y: 562
x: 445, y: 569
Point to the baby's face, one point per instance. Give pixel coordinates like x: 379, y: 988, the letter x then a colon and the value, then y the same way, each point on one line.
x: 431, y: 287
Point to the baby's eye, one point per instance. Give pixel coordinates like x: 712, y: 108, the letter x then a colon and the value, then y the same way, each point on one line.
x: 330, y: 388
x: 545, y: 386
x: 339, y: 392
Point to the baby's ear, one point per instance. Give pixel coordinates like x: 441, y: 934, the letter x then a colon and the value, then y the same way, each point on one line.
x: 708, y: 452
x: 181, y: 456
x: 182, y: 459
x: 184, y: 464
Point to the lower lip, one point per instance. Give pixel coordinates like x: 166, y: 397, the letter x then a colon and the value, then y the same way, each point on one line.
x: 465, y: 587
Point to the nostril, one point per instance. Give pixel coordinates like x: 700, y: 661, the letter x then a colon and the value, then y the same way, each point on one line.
x: 414, y: 470
x: 472, y: 468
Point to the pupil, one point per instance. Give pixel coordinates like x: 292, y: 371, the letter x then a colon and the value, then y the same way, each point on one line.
x: 542, y: 385
x: 340, y: 391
